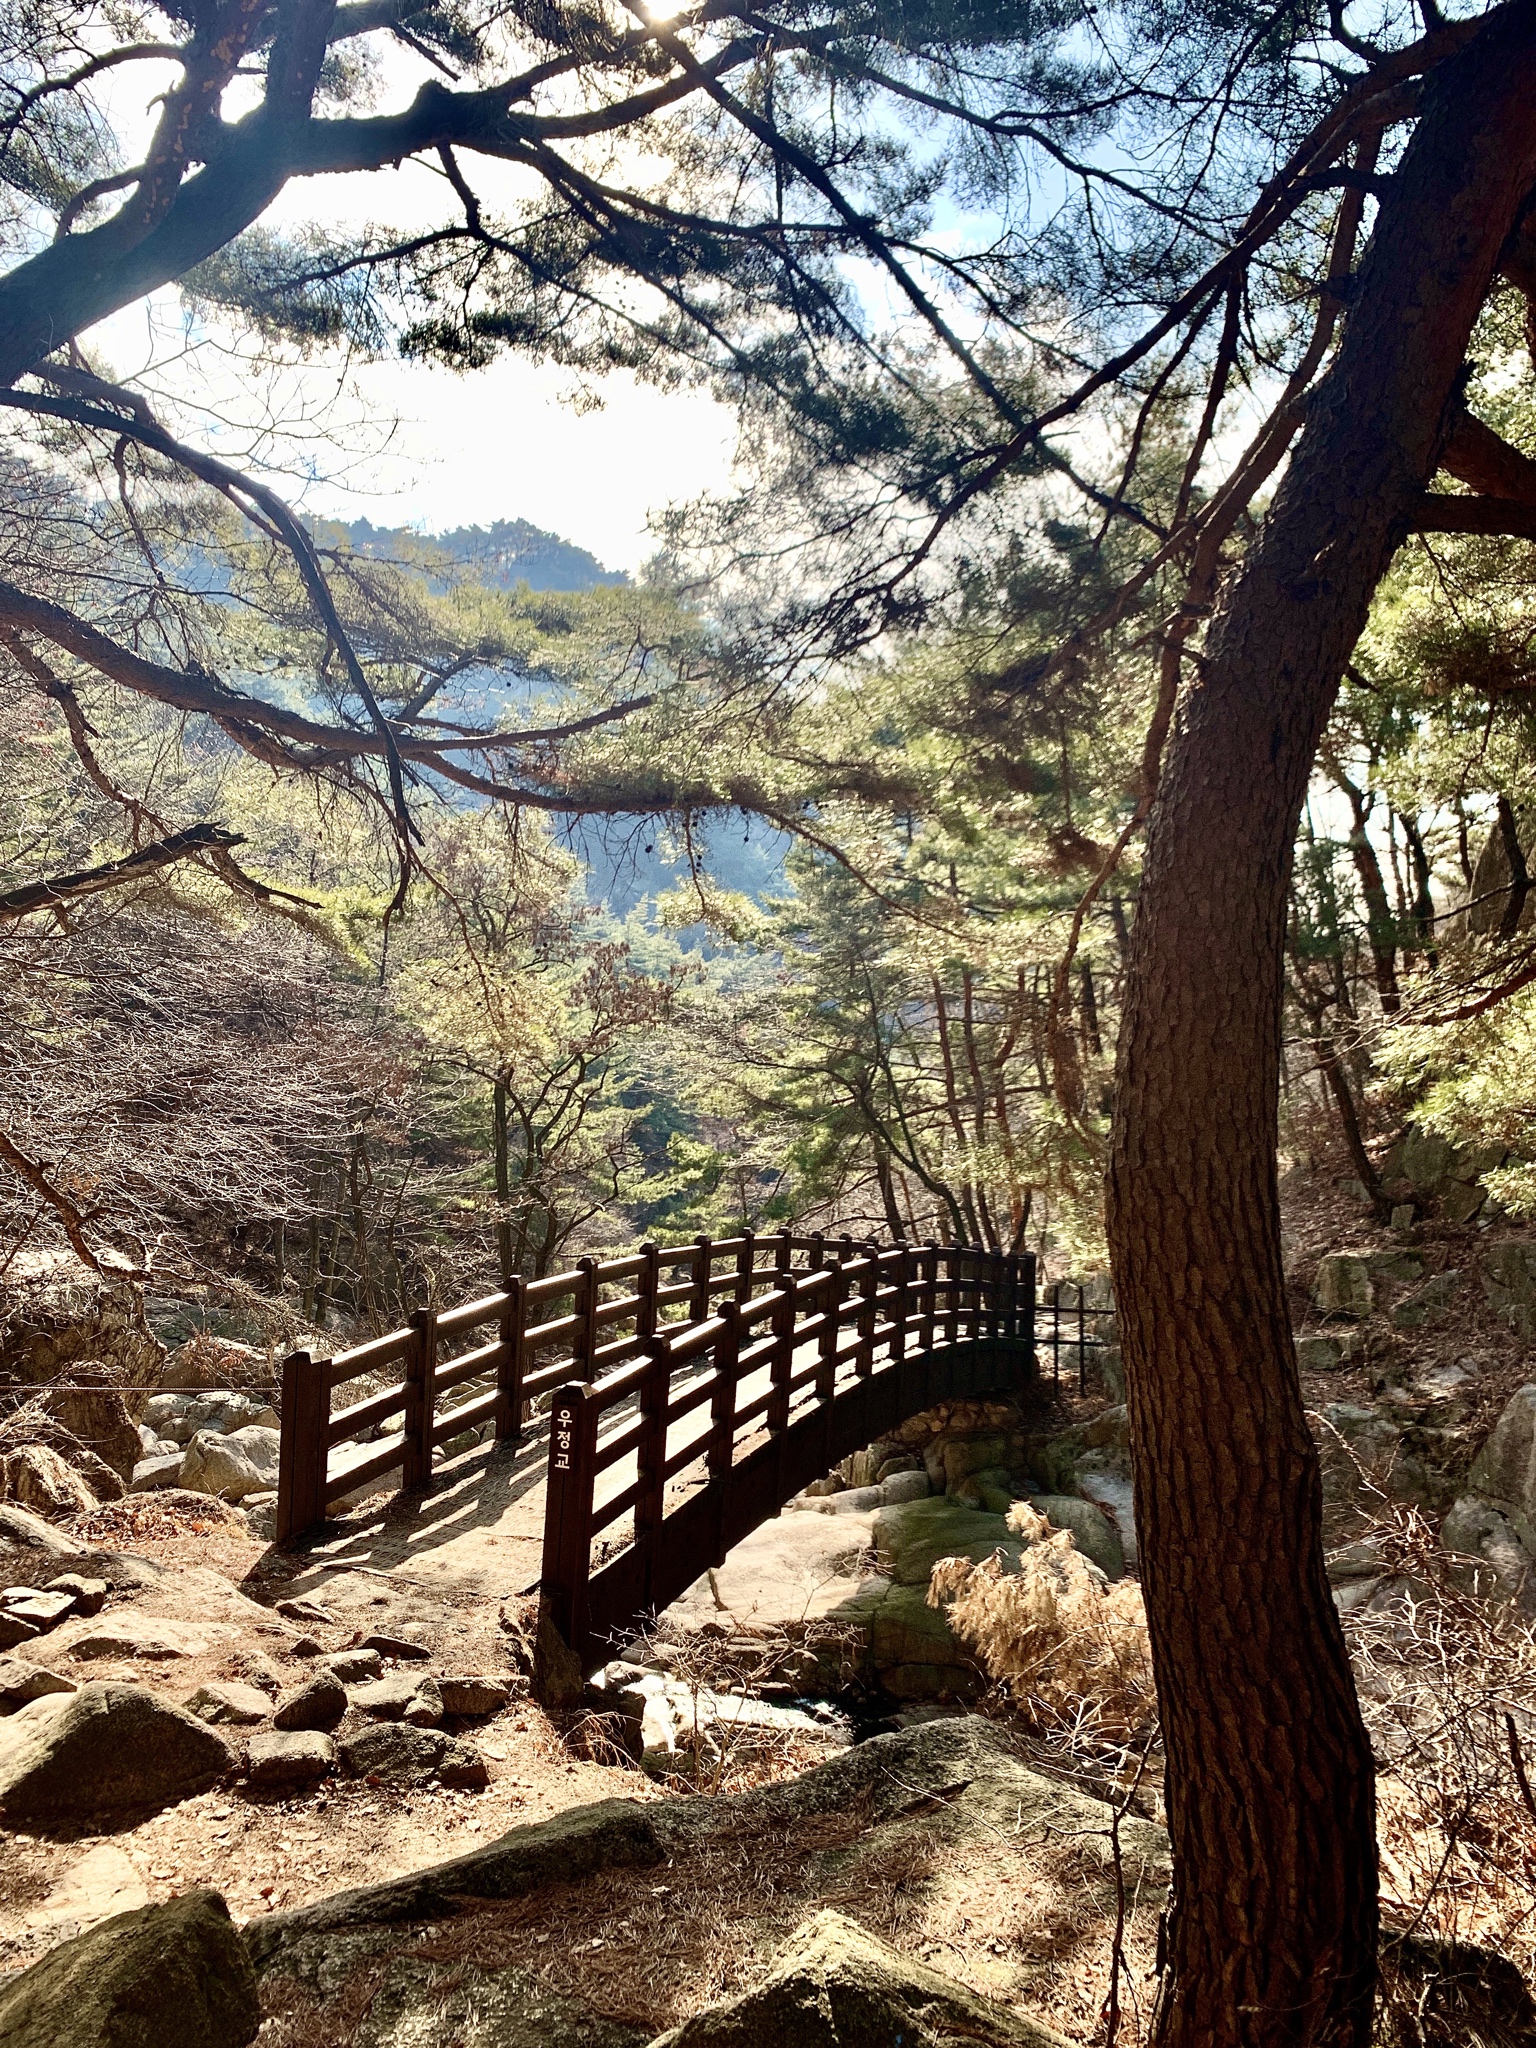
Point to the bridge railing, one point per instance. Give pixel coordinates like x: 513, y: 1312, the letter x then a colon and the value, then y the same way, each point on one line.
x: 659, y: 1468
x: 507, y: 1349
x: 697, y: 1309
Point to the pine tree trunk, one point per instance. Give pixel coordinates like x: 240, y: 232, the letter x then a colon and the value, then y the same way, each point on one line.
x: 1270, y: 1794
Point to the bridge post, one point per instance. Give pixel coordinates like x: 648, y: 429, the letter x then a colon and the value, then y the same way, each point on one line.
x: 703, y: 1269
x: 584, y: 1343
x: 951, y: 1259
x: 568, y: 1515
x: 928, y: 1259
x: 783, y: 1252
x: 901, y: 1306
x: 651, y: 1459
x: 833, y: 1288
x: 420, y: 1401
x: 782, y: 1323
x: 722, y: 1418
x: 869, y: 1287
x: 509, y: 1369
x: 645, y: 1288
x: 746, y: 1265
x: 302, y: 1451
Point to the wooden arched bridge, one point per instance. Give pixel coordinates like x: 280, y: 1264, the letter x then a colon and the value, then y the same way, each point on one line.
x: 691, y: 1391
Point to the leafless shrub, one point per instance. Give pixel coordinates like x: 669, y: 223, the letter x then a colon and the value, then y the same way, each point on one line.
x: 1447, y: 1682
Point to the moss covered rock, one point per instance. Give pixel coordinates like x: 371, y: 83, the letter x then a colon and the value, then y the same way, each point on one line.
x: 169, y: 1976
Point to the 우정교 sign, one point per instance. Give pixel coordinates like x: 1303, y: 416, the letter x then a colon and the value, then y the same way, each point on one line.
x: 564, y: 1432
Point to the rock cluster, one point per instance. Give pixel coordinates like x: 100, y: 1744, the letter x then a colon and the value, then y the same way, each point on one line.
x: 949, y: 1786
x: 382, y: 1962
x: 221, y: 1442
x: 1493, y: 1524
x: 107, y: 1410
x: 72, y: 1751
x: 27, y: 1612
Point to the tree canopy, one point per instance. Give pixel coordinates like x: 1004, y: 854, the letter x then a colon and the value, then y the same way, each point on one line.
x: 1120, y: 350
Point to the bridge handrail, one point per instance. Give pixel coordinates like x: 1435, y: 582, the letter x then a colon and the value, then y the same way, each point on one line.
x: 938, y: 1308
x: 506, y: 1360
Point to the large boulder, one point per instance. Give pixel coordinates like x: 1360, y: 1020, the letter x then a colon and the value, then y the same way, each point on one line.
x: 963, y: 1456
x: 318, y: 1704
x: 1509, y: 1281
x: 231, y: 1466
x: 914, y: 1653
x: 157, y: 1474
x: 1425, y: 1159
x: 395, y: 1753
x: 836, y: 1984
x: 420, y: 2003
x: 1092, y: 1531
x: 22, y: 1530
x: 612, y: 1834
x: 289, y: 1757
x: 41, y: 1478
x: 473, y: 1697
x: 1448, y: 1175
x: 78, y: 1319
x: 1343, y: 1285
x: 402, y: 1696
x: 170, y: 1976
x: 1504, y: 1567
x: 21, y: 1683
x: 1504, y: 1470
x: 1450, y: 1994
x: 228, y: 1702
x: 95, y: 1411
x: 910, y: 1538
x: 104, y: 1750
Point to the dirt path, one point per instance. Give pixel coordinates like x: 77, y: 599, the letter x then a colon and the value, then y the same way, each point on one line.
x: 477, y: 1531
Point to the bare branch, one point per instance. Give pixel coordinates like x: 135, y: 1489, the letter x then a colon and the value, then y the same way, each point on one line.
x: 61, y: 889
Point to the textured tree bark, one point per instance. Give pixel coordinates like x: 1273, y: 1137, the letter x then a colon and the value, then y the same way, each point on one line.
x: 1270, y: 1793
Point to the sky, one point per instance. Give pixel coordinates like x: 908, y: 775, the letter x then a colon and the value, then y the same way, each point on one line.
x: 407, y: 444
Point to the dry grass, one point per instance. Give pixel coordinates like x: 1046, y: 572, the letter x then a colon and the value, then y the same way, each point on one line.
x: 1017, y: 1919
x: 145, y: 1517
x: 1071, y: 1654
x: 1447, y: 1682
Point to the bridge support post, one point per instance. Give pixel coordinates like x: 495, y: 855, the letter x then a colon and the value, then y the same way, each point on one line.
x: 509, y: 1372
x: 302, y: 1449
x: 651, y: 1463
x: 722, y: 1420
x: 703, y: 1269
x: 563, y: 1602
x: 901, y: 1303
x: 584, y: 1307
x: 420, y: 1402
x: 868, y: 1310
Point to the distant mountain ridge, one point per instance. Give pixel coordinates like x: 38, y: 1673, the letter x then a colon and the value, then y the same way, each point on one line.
x: 510, y: 552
